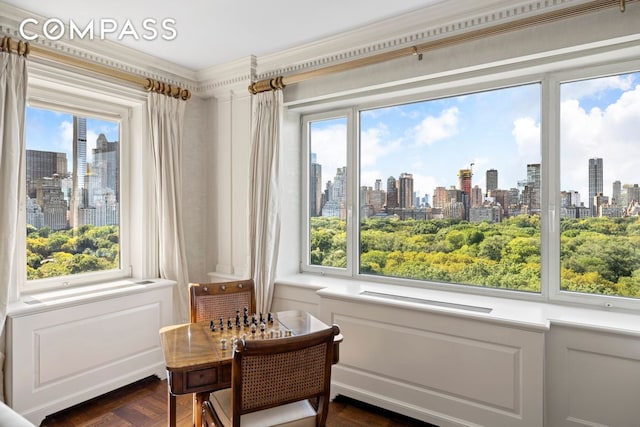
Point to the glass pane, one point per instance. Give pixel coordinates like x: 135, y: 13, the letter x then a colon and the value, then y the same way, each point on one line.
x: 328, y: 192
x: 600, y: 196
x: 450, y: 190
x: 73, y: 181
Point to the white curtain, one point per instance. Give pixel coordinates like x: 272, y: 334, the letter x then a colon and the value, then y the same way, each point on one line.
x: 13, y: 94
x: 166, y: 116
x: 264, y: 202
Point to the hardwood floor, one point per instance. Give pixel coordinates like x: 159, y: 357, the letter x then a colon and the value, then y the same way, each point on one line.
x: 144, y: 404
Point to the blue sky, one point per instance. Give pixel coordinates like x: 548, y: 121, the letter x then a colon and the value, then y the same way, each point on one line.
x: 53, y: 131
x: 497, y: 129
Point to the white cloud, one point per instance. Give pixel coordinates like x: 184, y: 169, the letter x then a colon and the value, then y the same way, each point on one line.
x: 374, y: 145
x: 425, y: 184
x: 527, y: 136
x: 330, y: 146
x: 433, y: 129
x: 594, y: 87
x: 611, y: 133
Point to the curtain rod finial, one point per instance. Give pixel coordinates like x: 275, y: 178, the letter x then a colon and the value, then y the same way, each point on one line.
x: 267, y: 85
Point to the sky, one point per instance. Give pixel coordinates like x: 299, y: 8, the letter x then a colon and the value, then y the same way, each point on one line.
x: 48, y: 130
x: 498, y: 129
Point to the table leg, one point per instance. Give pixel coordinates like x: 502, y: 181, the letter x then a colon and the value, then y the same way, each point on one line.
x: 171, y: 411
x: 198, y: 400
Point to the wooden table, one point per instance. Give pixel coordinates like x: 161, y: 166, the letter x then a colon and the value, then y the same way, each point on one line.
x: 196, y: 362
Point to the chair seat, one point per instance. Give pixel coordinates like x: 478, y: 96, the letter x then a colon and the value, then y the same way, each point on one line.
x: 296, y: 414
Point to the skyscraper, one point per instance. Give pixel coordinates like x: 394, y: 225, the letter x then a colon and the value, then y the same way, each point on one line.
x: 440, y: 197
x: 43, y: 164
x: 464, y: 185
x: 464, y: 181
x: 531, y: 193
x: 405, y: 193
x: 392, y: 193
x: 492, y: 180
x: 79, y: 166
x: 616, y: 193
x: 80, y: 148
x: 595, y: 182
x: 315, y: 187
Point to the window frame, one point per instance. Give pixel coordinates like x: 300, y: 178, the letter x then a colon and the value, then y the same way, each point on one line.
x: 556, y: 80
x: 550, y: 78
x: 86, y: 96
x: 305, y: 264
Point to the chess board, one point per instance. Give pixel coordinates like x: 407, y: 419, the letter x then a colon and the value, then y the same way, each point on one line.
x: 245, y: 327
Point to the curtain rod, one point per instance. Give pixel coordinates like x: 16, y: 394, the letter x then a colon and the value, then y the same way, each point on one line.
x: 417, y: 50
x: 25, y: 48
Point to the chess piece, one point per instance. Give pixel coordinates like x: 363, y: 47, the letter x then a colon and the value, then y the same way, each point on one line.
x: 212, y: 325
x: 223, y: 344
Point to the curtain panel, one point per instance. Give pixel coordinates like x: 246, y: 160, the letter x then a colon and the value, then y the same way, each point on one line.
x: 264, y: 219
x: 13, y: 95
x: 166, y: 119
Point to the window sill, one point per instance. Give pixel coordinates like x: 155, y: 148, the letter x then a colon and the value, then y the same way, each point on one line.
x: 70, y: 296
x: 504, y: 311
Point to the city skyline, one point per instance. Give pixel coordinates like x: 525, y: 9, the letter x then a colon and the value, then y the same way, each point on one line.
x: 48, y: 130
x: 599, y: 119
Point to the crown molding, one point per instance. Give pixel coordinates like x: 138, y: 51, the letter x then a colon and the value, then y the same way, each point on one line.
x: 439, y: 20
x: 103, y: 52
x: 226, y: 80
x: 433, y: 22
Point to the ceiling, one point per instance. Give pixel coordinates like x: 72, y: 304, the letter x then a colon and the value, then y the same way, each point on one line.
x: 214, y: 32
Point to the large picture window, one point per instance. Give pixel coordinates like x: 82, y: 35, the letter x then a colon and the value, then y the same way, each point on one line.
x: 73, y: 194
x: 530, y: 187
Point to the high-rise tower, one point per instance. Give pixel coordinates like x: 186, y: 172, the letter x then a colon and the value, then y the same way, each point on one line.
x: 464, y: 185
x: 533, y: 186
x: 79, y: 166
x: 405, y: 193
x: 392, y: 193
x: 616, y: 193
x: 595, y: 181
x: 464, y: 181
x: 492, y: 180
x: 315, y: 187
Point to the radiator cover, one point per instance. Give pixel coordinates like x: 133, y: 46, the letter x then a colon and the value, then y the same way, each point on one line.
x: 65, y: 349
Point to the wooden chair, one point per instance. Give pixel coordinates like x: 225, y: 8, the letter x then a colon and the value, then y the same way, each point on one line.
x: 274, y: 382
x: 211, y: 301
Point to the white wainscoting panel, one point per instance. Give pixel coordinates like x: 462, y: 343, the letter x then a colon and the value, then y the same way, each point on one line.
x: 593, y: 378
x: 447, y: 367
x: 63, y: 351
x: 439, y: 367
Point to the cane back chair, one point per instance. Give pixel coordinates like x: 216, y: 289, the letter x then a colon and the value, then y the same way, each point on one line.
x: 212, y: 301
x: 276, y: 382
